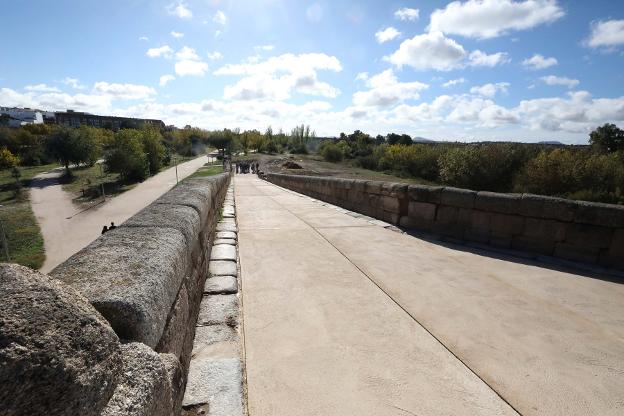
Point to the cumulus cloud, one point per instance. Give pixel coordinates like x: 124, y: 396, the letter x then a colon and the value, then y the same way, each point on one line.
x: 429, y: 51
x: 362, y: 76
x: 538, y: 61
x: 219, y: 17
x: 435, y: 51
x: 177, y: 35
x: 165, y: 79
x: 492, y: 18
x: 144, y: 38
x: 490, y: 90
x: 164, y: 51
x: 215, y: 56
x: 609, y: 33
x: 479, y: 58
x: 407, y: 14
x: 189, y: 63
x: 555, y: 80
x: 41, y: 88
x: 385, y: 90
x: 123, y: 91
x: 266, y: 48
x: 387, y: 34
x: 276, y: 77
x: 453, y: 82
x: 180, y: 10
x: 73, y: 82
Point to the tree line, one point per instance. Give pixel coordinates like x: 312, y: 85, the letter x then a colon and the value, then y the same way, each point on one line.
x: 592, y: 173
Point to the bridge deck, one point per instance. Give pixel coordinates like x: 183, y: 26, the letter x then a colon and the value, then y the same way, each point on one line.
x: 342, y: 317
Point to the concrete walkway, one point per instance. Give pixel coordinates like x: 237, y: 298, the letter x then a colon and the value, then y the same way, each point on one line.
x: 66, y: 230
x: 342, y: 317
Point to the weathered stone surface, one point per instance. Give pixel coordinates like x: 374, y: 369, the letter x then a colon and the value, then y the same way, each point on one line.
x: 197, y: 195
x: 226, y: 234
x: 390, y: 203
x: 226, y: 226
x: 607, y: 215
x: 222, y: 268
x: 212, y: 334
x: 136, y: 285
x: 421, y: 210
x: 218, y: 382
x: 589, y: 236
x: 144, y: 388
x: 456, y: 197
x: 174, y: 335
x: 559, y: 209
x: 176, y: 377
x: 225, y: 241
x: 221, y: 285
x: 218, y: 309
x: 496, y: 202
x: 531, y: 205
x: 547, y: 230
x: 223, y: 252
x: 58, y: 355
x: 179, y: 217
x: 424, y: 193
x: 576, y: 253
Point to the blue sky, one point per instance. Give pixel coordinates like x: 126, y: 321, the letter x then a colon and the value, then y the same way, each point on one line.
x: 525, y: 70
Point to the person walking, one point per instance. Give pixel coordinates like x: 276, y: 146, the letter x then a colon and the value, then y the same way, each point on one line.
x: 104, y: 230
x: 112, y: 226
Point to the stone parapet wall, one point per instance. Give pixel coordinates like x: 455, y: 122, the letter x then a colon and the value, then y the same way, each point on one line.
x: 141, y: 285
x: 572, y: 230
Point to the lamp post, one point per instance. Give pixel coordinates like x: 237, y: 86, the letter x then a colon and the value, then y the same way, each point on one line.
x: 5, y: 242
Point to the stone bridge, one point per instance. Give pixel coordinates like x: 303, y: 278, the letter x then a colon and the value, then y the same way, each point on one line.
x: 349, y: 298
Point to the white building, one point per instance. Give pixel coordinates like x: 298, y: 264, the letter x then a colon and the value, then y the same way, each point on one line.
x: 21, y: 116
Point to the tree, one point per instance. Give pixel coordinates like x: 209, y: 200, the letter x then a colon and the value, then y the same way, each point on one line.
x: 607, y: 138
x: 331, y: 152
x: 126, y: 156
x: 7, y: 159
x: 151, y: 140
x: 74, y: 146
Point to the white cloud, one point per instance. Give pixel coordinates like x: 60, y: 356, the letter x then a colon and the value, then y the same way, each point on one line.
x: 123, y: 91
x: 164, y: 51
x: 266, y: 48
x: 73, y: 82
x: 215, y: 56
x: 186, y: 53
x: 454, y: 82
x: 479, y: 58
x: 387, y: 34
x: 385, y: 90
x: 165, y: 79
x: 607, y: 33
x: 490, y: 90
x: 362, y: 76
x: 180, y: 10
x: 555, y: 80
x: 538, y: 61
x: 407, y: 14
x: 492, y: 18
x: 177, y: 35
x: 41, y: 88
x: 276, y: 77
x: 144, y: 38
x: 188, y: 67
x: 219, y: 17
x: 429, y: 51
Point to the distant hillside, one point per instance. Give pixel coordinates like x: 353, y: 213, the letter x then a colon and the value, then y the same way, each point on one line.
x: 555, y: 142
x: 422, y: 140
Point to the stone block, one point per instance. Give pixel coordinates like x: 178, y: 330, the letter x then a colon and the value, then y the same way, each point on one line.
x: 192, y: 194
x: 174, y: 335
x: 58, y: 355
x: 218, y: 310
x: 424, y: 193
x: 446, y: 222
x: 176, y: 377
x: 226, y: 234
x: 421, y: 211
x: 223, y: 252
x: 547, y: 230
x: 137, y: 283
x: 576, y: 253
x: 614, y: 256
x: 533, y: 244
x: 479, y: 225
x: 606, y: 215
x: 496, y: 202
x: 225, y: 241
x: 392, y: 204
x: 373, y: 187
x: 503, y: 225
x: 559, y: 209
x: 457, y: 197
x: 213, y: 334
x: 144, y: 388
x: 589, y: 236
x: 179, y: 217
x: 226, y: 226
x: 531, y: 205
x: 221, y: 285
x: 218, y: 383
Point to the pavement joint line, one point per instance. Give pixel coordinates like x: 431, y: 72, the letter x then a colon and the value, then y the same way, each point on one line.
x: 401, y: 307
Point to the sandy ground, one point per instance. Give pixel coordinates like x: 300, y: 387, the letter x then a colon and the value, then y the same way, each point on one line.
x: 66, y: 229
x: 342, y: 317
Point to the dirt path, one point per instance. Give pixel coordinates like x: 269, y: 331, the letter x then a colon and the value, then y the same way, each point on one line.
x: 343, y: 317
x: 66, y: 229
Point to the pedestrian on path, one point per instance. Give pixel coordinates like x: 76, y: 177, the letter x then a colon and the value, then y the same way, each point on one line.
x: 104, y: 230
x: 112, y: 226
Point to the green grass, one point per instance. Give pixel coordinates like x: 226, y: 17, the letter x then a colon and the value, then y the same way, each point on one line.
x: 86, y: 184
x: 208, y: 170
x: 21, y: 228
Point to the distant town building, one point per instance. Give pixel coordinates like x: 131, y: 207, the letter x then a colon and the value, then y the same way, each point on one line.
x: 76, y: 119
x: 17, y: 117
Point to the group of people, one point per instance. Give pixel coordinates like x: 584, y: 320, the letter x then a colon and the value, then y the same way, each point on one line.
x: 106, y: 229
x: 247, y: 166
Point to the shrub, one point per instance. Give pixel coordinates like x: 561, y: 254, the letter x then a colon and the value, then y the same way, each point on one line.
x: 331, y: 152
x: 417, y: 160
